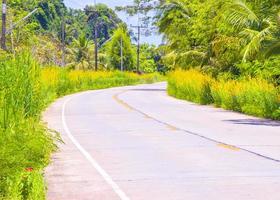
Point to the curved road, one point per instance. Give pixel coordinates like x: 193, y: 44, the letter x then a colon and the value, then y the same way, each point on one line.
x: 137, y: 143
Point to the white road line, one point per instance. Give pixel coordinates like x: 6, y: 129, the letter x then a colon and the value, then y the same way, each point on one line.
x: 93, y: 162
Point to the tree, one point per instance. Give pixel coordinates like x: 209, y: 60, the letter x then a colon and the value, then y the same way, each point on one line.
x: 139, y: 6
x: 258, y: 28
x: 189, y: 27
x: 104, y: 18
x: 81, y: 53
x: 149, y: 58
x: 121, y: 42
x: 102, y: 21
x: 48, y: 12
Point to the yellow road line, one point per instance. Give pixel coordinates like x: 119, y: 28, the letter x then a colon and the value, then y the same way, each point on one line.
x: 226, y: 146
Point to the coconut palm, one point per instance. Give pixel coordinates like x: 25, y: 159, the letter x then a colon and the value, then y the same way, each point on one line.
x: 81, y: 52
x: 169, y: 9
x: 258, y: 33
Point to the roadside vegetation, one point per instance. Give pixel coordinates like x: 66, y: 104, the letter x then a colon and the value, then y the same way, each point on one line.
x: 253, y: 96
x: 224, y: 53
x: 221, y: 52
x: 26, y: 143
x: 49, y: 55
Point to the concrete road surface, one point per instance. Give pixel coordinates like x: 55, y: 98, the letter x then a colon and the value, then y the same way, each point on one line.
x: 138, y: 143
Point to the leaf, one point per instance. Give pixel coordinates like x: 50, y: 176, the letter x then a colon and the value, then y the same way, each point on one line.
x: 240, y: 15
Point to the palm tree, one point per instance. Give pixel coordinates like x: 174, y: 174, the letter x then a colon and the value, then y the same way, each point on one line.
x: 81, y: 52
x: 168, y: 10
x: 258, y: 34
x: 173, y: 19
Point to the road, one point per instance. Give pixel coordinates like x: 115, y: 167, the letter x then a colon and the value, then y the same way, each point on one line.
x: 138, y: 143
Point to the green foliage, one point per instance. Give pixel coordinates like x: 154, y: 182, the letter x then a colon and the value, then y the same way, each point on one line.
x: 189, y: 28
x: 25, y: 142
x: 255, y: 29
x: 219, y: 35
x: 148, y: 58
x: 121, y: 39
x: 269, y: 69
x: 226, y: 51
x: 42, y: 32
x: 138, y: 6
x: 104, y: 18
x: 49, y: 11
x: 81, y: 53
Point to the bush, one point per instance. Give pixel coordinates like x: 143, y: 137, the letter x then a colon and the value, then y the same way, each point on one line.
x: 251, y: 96
x: 269, y: 69
x: 190, y: 85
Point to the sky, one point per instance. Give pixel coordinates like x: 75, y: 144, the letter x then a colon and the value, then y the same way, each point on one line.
x: 154, y: 39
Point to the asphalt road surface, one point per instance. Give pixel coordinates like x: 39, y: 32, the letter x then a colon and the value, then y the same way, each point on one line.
x: 138, y: 143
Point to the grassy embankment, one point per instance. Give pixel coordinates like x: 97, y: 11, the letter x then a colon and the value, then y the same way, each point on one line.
x: 251, y: 96
x: 25, y: 143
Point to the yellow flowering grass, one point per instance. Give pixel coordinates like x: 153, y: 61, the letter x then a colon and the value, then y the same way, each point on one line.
x: 62, y: 81
x: 190, y: 85
x: 251, y: 96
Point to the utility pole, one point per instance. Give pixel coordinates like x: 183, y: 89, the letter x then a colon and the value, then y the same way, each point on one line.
x: 140, y: 7
x: 96, y: 47
x: 138, y: 49
x: 138, y: 44
x: 96, y: 38
x: 63, y: 40
x: 139, y: 27
x: 6, y: 32
x: 4, y: 24
x: 122, y: 54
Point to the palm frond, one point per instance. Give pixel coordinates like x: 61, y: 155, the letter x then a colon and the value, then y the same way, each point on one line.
x: 240, y: 15
x: 168, y: 12
x: 273, y: 49
x: 254, y: 40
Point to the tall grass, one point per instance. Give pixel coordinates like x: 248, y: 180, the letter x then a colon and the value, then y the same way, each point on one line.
x: 25, y: 143
x: 61, y: 81
x: 191, y: 86
x: 251, y: 96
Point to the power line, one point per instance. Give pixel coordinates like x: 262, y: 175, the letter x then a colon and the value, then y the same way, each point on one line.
x: 63, y: 39
x: 5, y: 32
x: 21, y: 20
x: 77, y: 3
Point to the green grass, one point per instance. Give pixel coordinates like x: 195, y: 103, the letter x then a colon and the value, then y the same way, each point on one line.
x: 25, y: 143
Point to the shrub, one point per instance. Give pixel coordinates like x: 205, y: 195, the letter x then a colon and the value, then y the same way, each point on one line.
x: 258, y: 97
x: 190, y: 85
x: 268, y: 69
x: 225, y: 94
x: 251, y: 96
